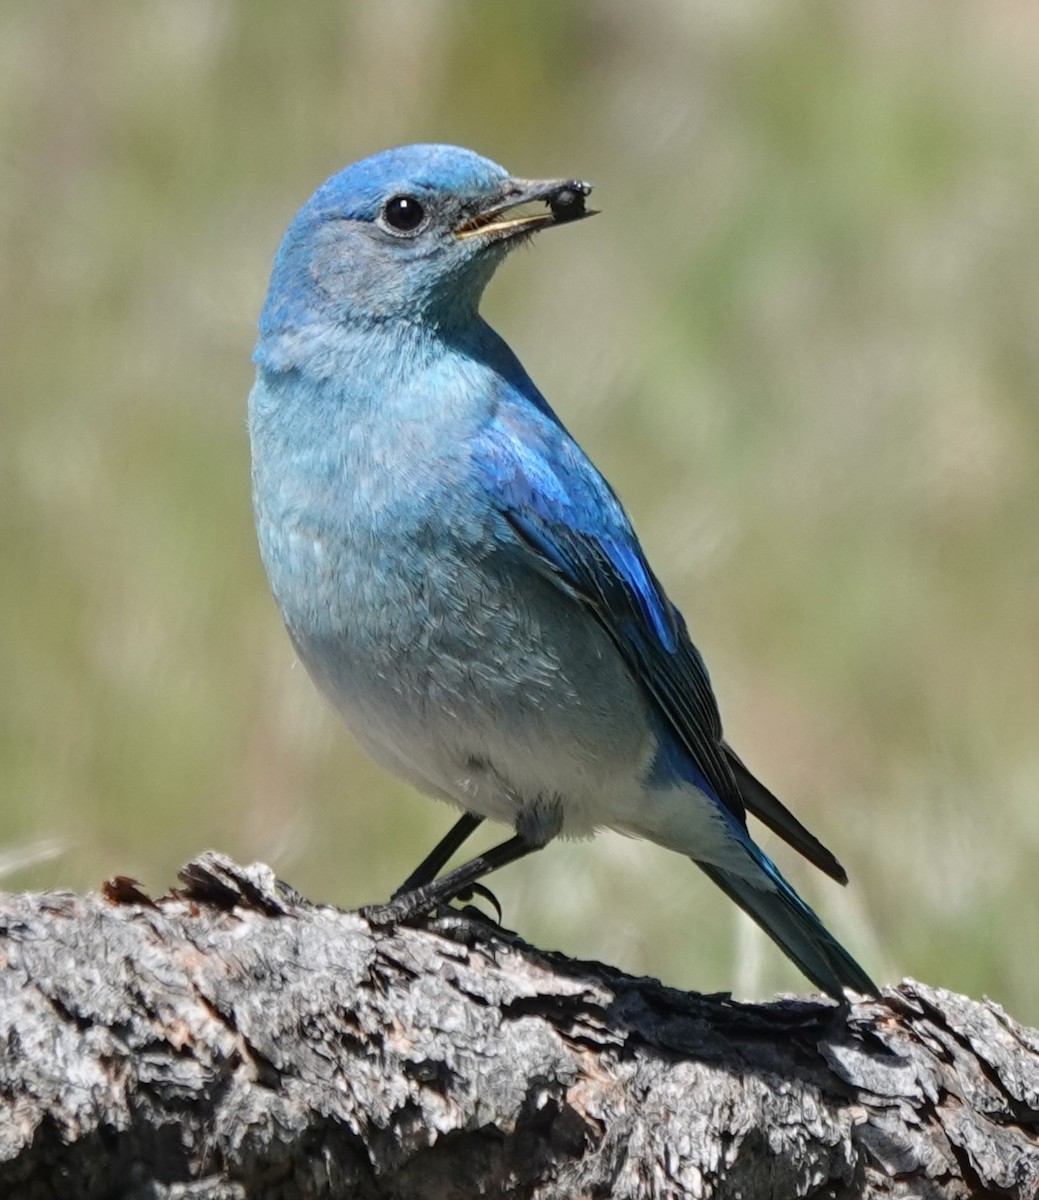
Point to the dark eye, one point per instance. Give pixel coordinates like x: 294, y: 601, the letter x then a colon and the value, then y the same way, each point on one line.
x: 403, y: 213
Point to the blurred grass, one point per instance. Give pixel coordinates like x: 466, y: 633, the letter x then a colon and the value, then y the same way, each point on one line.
x: 801, y: 341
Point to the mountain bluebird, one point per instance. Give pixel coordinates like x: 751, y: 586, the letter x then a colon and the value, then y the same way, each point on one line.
x: 457, y: 577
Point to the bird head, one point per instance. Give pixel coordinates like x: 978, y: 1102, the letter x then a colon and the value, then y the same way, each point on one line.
x: 411, y: 234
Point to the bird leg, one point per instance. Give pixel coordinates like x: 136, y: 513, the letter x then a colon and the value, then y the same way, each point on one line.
x: 408, y: 904
x: 433, y: 863
x: 431, y: 866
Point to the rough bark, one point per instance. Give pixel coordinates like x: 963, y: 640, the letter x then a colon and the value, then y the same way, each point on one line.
x: 232, y: 1040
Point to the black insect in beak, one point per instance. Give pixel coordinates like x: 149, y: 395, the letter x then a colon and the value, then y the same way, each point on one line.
x: 499, y: 219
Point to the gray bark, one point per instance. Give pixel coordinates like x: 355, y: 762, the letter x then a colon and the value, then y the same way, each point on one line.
x: 232, y: 1040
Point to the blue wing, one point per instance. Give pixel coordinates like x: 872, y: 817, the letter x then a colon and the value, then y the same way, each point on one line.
x: 579, y: 535
x: 564, y: 511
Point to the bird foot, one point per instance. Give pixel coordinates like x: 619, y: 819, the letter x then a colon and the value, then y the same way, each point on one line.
x: 395, y: 912
x: 405, y: 906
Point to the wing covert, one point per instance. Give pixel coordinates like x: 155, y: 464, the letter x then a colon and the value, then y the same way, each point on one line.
x: 568, y: 517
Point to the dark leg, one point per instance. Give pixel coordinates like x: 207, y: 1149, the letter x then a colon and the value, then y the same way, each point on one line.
x: 406, y: 905
x: 430, y: 867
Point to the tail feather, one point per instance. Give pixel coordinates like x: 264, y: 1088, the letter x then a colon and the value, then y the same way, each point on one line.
x: 770, y: 810
x: 792, y: 925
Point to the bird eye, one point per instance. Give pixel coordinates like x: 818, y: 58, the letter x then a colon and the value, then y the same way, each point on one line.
x: 403, y: 213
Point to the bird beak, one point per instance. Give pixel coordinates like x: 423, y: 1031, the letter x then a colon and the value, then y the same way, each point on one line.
x: 497, y: 219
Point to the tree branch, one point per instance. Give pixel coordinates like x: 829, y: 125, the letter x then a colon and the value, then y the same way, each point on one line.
x: 233, y: 1040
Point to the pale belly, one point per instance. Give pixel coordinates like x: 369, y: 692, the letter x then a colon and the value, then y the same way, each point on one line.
x: 511, y: 703
x: 504, y: 697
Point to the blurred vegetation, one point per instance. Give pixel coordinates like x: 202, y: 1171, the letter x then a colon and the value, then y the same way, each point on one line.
x: 800, y: 340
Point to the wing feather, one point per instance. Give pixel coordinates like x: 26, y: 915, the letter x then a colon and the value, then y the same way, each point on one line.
x: 567, y: 516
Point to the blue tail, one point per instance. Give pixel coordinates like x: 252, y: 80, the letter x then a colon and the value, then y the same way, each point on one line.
x: 792, y: 925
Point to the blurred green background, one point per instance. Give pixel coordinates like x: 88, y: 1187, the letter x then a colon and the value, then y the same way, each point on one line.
x: 801, y: 341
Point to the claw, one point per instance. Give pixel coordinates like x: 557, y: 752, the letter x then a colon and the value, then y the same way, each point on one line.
x: 479, y: 889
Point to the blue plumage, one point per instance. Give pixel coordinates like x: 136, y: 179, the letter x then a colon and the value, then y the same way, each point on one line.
x: 455, y: 574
